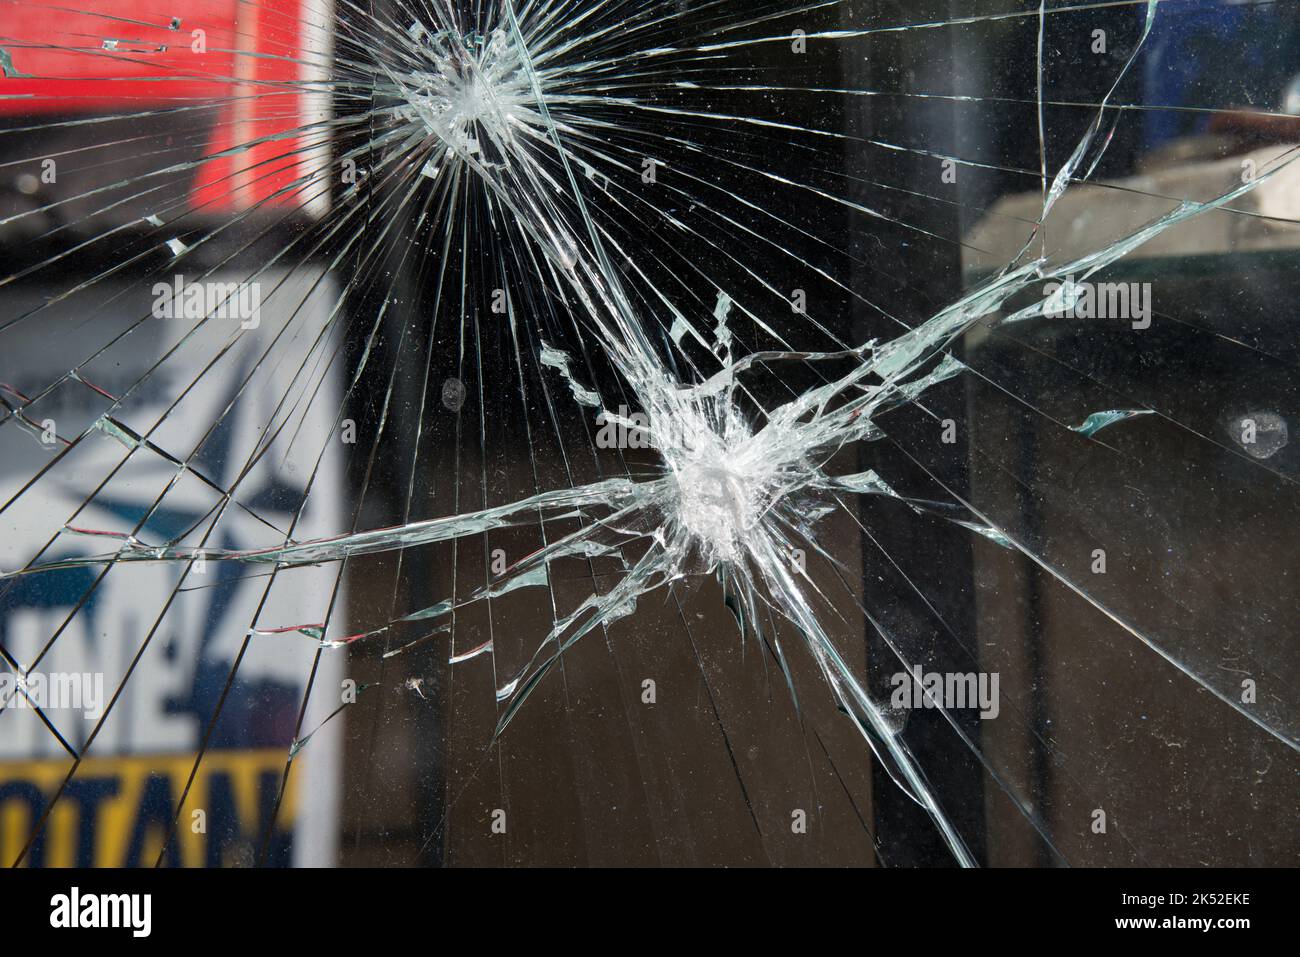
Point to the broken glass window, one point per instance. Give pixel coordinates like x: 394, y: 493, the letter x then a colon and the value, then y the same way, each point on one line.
x: 683, y: 432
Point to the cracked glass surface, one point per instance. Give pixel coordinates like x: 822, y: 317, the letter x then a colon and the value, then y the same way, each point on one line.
x: 484, y: 433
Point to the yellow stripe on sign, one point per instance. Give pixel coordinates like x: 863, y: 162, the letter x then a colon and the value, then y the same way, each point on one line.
x: 116, y: 811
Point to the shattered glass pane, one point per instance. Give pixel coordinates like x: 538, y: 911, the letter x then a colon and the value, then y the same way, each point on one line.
x: 513, y: 432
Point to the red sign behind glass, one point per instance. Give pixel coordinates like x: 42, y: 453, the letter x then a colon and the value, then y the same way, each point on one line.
x: 117, y: 57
